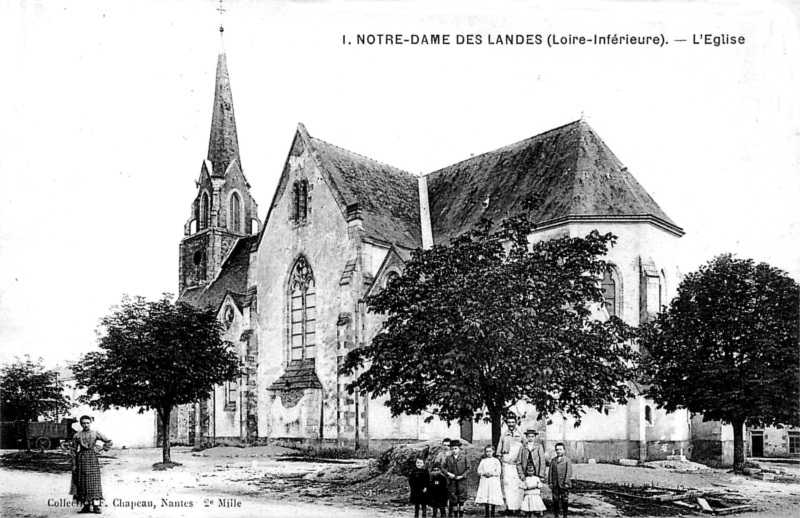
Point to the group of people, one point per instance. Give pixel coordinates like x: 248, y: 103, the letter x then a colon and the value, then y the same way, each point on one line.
x: 446, y: 484
x: 512, y: 478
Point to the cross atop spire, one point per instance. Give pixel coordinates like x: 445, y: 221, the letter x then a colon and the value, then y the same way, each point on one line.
x: 221, y: 10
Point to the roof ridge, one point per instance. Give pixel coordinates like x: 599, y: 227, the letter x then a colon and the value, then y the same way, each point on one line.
x: 241, y: 240
x: 576, y: 168
x: 364, y: 156
x: 507, y: 146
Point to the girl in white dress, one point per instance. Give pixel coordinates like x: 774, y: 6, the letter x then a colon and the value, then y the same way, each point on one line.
x: 490, y: 491
x: 532, y: 495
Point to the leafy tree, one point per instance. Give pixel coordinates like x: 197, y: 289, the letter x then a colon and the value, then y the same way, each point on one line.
x: 155, y: 355
x: 474, y: 327
x: 30, y: 391
x: 727, y: 347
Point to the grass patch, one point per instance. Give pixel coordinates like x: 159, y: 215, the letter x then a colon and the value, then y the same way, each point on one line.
x: 45, y: 462
x: 163, y: 466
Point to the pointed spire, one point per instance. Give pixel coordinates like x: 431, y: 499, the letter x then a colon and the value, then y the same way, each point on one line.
x: 223, y: 144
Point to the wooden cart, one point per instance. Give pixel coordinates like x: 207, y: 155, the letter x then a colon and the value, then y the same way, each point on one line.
x: 46, y: 435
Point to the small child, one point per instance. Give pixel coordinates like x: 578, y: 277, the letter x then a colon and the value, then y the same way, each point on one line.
x: 560, y: 479
x: 490, y: 491
x: 456, y: 467
x: 532, y: 496
x: 419, y: 480
x: 437, y: 491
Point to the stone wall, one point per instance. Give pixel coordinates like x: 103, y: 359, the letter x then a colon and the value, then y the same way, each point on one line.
x: 775, y: 441
x: 325, y: 240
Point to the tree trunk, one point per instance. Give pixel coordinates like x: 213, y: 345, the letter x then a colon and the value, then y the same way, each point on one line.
x: 165, y: 413
x: 497, y: 426
x: 738, y: 445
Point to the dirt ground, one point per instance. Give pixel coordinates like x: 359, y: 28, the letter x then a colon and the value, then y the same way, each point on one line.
x: 236, y: 482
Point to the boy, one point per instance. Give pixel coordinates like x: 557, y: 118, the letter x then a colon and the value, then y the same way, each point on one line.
x: 443, y: 453
x: 531, y: 457
x: 560, y: 479
x: 456, y: 467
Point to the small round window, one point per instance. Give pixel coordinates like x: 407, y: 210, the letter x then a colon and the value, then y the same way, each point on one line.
x: 228, y: 316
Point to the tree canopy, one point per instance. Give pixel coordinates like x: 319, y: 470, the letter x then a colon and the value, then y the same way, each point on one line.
x: 727, y: 347
x: 29, y: 391
x: 489, y: 320
x: 156, y: 355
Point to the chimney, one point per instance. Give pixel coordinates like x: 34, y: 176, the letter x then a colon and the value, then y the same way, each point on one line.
x: 355, y: 219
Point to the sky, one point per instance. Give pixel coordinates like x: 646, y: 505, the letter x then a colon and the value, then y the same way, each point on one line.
x: 105, y: 110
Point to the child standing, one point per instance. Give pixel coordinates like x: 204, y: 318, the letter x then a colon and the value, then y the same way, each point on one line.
x: 456, y: 467
x: 560, y: 479
x: 419, y: 480
x: 490, y: 491
x: 437, y: 491
x: 443, y: 453
x: 532, y: 496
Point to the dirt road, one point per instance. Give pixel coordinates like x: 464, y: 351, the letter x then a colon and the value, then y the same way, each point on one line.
x: 202, y: 487
x: 234, y: 483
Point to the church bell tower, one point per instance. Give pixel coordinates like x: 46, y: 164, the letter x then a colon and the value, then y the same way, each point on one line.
x: 223, y: 209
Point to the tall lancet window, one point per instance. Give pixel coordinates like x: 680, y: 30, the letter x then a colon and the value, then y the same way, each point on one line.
x: 204, y: 210
x: 609, y: 286
x: 235, y: 213
x: 300, y: 201
x: 303, y: 302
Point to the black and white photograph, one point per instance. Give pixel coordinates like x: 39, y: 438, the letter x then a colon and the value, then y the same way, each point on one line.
x: 349, y: 258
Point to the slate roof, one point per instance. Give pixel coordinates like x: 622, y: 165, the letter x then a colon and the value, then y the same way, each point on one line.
x: 388, y: 197
x: 223, y: 142
x: 299, y: 375
x: 232, y: 278
x: 569, y: 169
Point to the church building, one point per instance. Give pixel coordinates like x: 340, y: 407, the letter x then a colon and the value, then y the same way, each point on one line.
x: 290, y: 289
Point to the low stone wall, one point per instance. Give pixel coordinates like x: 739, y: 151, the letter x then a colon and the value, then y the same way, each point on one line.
x: 225, y: 441
x: 373, y: 445
x: 659, y: 450
x: 579, y: 451
x: 601, y: 451
x: 712, y: 451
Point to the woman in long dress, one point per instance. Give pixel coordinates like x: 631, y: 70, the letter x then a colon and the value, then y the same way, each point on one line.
x: 85, y: 486
x: 490, y: 491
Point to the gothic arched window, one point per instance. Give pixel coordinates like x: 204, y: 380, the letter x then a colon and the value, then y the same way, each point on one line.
x: 300, y: 201
x: 235, y: 213
x: 609, y: 286
x: 204, y: 209
x: 302, y: 306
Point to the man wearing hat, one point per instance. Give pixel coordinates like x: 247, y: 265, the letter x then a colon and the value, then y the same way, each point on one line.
x: 531, y: 455
x: 508, y: 449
